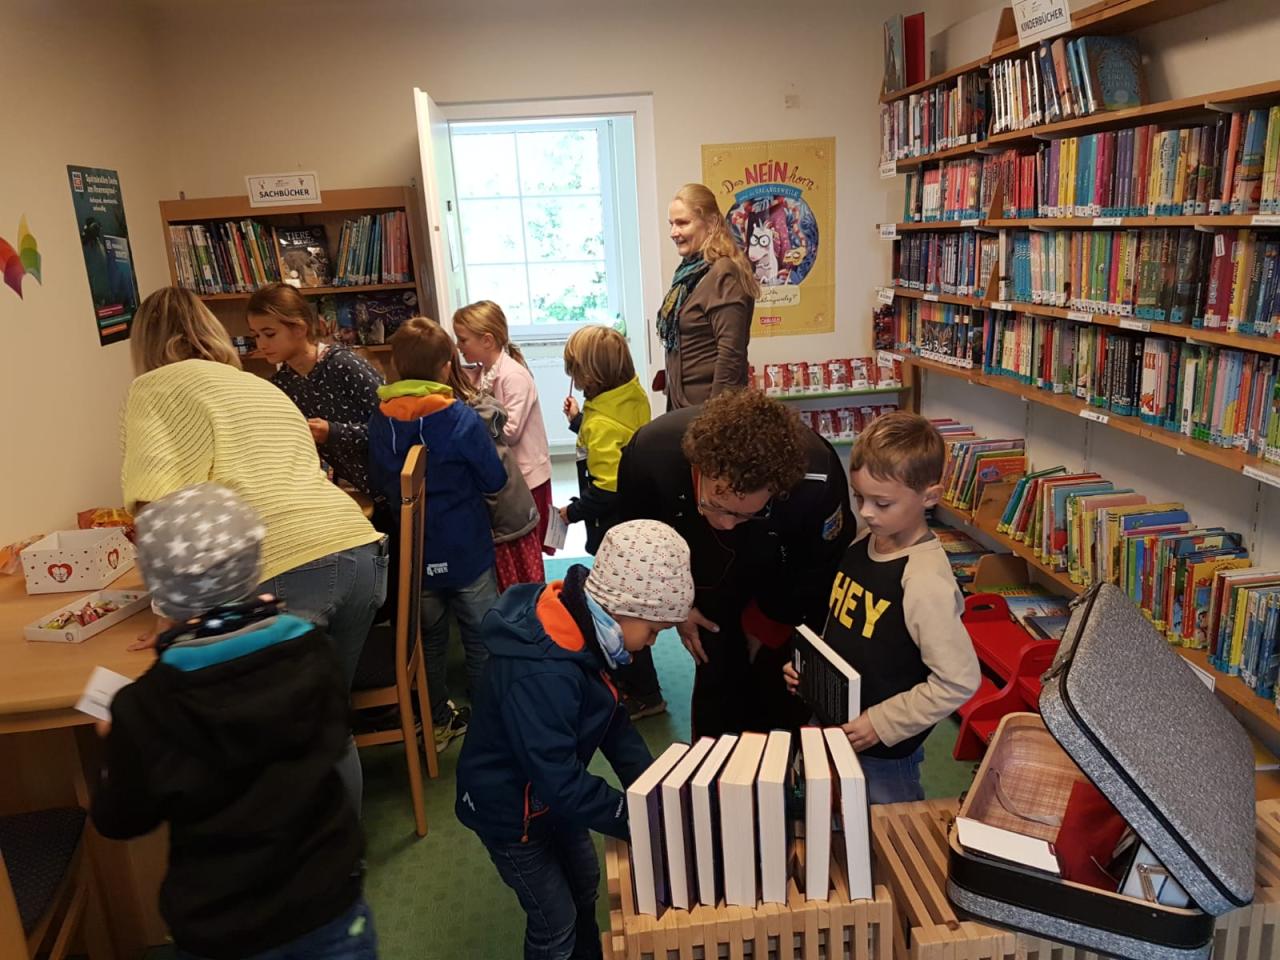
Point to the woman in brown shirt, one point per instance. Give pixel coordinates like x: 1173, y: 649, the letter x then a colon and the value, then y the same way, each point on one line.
x: 705, y: 319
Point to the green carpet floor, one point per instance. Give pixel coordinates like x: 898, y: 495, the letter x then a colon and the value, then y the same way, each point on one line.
x: 440, y: 898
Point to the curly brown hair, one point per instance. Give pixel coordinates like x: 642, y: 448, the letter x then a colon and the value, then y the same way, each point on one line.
x: 747, y: 440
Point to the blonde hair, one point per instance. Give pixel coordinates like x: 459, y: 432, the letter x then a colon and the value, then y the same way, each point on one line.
x: 485, y: 316
x: 719, y: 243
x: 598, y: 359
x: 901, y: 446
x: 285, y: 304
x: 172, y: 325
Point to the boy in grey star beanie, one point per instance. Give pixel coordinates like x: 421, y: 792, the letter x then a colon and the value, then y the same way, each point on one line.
x: 198, y: 549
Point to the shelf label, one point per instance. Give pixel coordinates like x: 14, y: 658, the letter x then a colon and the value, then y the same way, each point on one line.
x: 1040, y: 19
x: 888, y: 231
x: 888, y: 169
x: 1219, y: 245
x: 931, y: 297
x: 971, y: 222
x: 283, y: 189
x: 1108, y: 221
x: 1000, y: 305
x: 1080, y: 316
x: 884, y: 294
x: 887, y: 357
x: 1262, y: 476
x: 1095, y: 416
x: 1266, y: 220
x: 1142, y: 325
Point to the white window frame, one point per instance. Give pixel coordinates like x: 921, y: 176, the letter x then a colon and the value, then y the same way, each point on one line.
x: 642, y: 305
x: 603, y: 127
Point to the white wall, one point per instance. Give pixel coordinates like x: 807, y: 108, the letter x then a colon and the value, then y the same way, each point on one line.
x: 81, y: 90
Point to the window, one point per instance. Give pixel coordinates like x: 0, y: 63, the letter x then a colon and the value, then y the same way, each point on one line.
x: 538, y: 212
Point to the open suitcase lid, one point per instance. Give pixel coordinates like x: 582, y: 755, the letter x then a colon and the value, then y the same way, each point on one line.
x: 1158, y: 743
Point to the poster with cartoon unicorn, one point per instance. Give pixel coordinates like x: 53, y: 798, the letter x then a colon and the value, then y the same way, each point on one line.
x: 779, y: 199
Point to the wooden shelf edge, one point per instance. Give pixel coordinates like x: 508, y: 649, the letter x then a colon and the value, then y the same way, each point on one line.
x: 837, y: 394
x: 1233, y: 460
x: 315, y: 291
x: 331, y: 201
x: 1226, y: 222
x: 1111, y: 17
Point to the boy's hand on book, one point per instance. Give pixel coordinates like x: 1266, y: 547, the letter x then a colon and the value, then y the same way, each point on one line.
x: 689, y: 634
x: 570, y: 408
x: 861, y: 734
x: 791, y: 678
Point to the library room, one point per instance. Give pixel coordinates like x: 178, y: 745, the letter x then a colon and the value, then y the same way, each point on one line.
x: 577, y: 480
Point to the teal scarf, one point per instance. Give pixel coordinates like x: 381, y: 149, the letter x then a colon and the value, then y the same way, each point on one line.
x: 688, y: 274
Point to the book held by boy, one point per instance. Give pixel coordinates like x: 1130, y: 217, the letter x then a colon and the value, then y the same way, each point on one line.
x: 831, y: 687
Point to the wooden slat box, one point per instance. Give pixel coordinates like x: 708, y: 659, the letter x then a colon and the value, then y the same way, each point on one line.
x: 835, y: 929
x: 910, y: 844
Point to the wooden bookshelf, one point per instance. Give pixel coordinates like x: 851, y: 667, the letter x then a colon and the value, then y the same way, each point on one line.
x: 1231, y: 689
x: 1177, y: 331
x: 1200, y: 106
x: 1106, y: 17
x: 1234, y: 460
x: 336, y: 206
x: 1258, y: 221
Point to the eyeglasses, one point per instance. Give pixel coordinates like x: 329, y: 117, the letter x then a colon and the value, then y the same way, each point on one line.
x: 764, y: 513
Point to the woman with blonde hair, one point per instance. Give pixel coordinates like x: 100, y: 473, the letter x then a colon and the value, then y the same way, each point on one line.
x: 705, y: 319
x: 193, y: 416
x: 483, y: 338
x: 335, y: 388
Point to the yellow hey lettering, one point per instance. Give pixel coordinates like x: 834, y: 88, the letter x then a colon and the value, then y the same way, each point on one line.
x: 850, y: 602
x: 872, y: 610
x: 838, y: 587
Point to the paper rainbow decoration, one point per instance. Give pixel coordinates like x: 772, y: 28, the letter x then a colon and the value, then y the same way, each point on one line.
x: 16, y: 264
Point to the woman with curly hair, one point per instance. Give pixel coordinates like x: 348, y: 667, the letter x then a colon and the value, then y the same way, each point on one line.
x: 705, y: 319
x: 763, y: 503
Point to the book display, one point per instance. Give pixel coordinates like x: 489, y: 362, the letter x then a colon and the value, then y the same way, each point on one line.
x: 355, y: 255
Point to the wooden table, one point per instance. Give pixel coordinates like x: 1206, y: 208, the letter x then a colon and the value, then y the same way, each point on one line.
x: 49, y: 751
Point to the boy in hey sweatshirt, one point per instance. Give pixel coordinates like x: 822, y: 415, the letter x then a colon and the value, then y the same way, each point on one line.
x: 546, y: 704
x: 462, y: 469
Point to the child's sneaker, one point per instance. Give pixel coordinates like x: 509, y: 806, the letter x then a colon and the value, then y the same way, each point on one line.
x: 640, y: 707
x: 454, y: 727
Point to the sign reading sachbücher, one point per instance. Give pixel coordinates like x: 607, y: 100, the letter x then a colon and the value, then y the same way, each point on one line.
x: 283, y: 189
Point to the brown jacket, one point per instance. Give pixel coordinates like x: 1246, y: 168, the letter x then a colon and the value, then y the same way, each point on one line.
x: 715, y: 326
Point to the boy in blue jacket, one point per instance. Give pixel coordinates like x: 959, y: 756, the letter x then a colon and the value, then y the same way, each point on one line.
x: 462, y: 469
x: 545, y: 705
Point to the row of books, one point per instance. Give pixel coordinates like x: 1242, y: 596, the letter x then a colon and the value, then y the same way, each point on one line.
x: 374, y: 248
x: 229, y: 256
x: 1229, y: 280
x: 1226, y: 397
x: 710, y: 822
x: 964, y: 188
x: 1061, y: 79
x: 949, y: 114
x: 1242, y: 627
x: 1042, y: 614
x: 955, y: 263
x: 963, y: 552
x: 972, y: 463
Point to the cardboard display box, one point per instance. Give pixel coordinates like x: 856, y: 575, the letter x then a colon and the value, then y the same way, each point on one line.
x: 74, y: 560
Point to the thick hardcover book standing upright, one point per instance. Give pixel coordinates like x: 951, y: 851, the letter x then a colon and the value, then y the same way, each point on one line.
x: 817, y: 813
x: 773, y: 822
x: 913, y: 40
x: 644, y: 810
x: 704, y: 791
x: 738, y: 821
x: 677, y: 824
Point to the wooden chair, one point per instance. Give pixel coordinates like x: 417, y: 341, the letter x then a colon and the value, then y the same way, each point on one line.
x: 410, y: 671
x: 48, y: 896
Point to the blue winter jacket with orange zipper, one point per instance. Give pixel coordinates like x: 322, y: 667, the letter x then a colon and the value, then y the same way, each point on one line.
x: 545, y: 705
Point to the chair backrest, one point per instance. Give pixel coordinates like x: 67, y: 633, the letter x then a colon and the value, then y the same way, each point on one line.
x: 413, y: 513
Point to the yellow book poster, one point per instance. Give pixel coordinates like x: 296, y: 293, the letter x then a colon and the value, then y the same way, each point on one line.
x: 779, y: 197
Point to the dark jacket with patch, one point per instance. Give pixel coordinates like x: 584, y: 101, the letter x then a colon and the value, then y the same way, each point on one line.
x: 544, y: 707
x: 234, y: 744
x: 767, y: 575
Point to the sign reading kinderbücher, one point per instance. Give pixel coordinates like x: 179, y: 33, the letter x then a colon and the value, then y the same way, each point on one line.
x: 283, y: 189
x: 1041, y: 19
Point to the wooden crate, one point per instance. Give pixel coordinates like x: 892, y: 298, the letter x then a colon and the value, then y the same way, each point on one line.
x: 800, y: 929
x: 910, y: 844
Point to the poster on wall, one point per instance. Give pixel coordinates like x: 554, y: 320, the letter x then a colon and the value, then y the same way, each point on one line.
x: 779, y: 197
x: 104, y: 238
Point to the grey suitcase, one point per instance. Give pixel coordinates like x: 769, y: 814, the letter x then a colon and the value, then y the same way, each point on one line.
x: 1122, y: 709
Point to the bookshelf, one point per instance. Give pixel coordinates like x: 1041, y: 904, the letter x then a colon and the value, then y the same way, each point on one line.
x: 336, y: 207
x: 1260, y: 711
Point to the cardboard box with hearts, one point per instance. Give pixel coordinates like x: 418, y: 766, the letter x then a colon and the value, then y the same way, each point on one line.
x: 72, y: 560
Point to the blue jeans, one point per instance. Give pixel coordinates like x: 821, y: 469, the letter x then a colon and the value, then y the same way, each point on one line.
x: 893, y: 781
x: 555, y: 878
x: 468, y: 604
x: 349, y: 937
x: 340, y: 593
